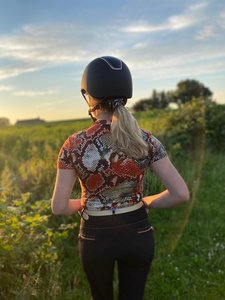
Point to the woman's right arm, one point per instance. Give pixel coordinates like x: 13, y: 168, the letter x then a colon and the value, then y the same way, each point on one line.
x: 176, y: 189
x: 61, y: 203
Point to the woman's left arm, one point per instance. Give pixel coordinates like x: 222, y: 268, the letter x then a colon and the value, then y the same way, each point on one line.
x: 61, y: 203
x: 176, y: 189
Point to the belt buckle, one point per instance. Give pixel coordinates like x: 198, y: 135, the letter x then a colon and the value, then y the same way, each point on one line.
x: 113, y: 210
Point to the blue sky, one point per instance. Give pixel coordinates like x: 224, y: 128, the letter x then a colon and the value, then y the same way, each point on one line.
x: 45, y: 46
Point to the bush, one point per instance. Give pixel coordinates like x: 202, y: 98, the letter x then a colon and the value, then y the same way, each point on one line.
x: 215, y: 126
x: 186, y: 127
x: 31, y: 249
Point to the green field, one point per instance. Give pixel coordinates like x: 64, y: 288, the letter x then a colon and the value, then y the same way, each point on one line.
x: 38, y: 251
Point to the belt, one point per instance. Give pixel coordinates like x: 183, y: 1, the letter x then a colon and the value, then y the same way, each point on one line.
x: 113, y: 211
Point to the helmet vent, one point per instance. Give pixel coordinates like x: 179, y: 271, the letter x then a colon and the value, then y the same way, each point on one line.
x: 115, y: 64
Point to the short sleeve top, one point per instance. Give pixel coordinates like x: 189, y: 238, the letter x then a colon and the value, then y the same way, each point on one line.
x: 108, y: 178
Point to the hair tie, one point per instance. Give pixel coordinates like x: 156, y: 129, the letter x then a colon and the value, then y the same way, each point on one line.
x: 110, y: 105
x: 113, y: 104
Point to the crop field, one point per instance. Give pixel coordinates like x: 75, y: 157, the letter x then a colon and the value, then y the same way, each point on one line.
x: 38, y: 251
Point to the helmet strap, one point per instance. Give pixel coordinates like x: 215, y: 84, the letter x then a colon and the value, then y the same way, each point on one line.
x: 92, y: 110
x: 93, y: 118
x: 110, y: 105
x: 89, y: 111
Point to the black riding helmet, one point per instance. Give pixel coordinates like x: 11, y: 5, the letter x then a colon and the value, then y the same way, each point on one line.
x: 107, y: 77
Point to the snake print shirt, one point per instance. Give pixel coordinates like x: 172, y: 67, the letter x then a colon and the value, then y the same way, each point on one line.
x: 108, y: 178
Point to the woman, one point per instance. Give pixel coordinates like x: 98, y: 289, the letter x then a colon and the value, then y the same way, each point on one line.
x: 110, y: 159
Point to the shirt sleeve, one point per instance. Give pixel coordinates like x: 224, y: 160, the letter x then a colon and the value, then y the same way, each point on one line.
x: 66, y: 157
x: 158, y: 149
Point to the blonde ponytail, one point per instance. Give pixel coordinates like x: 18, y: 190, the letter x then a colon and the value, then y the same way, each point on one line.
x: 126, y: 133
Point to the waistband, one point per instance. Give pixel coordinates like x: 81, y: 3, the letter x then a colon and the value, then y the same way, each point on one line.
x: 115, y: 219
x: 112, y: 211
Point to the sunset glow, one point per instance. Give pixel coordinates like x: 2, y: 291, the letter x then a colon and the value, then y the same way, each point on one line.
x: 44, y: 47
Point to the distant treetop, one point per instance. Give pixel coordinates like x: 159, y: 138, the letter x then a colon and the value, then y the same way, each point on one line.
x: 185, y: 91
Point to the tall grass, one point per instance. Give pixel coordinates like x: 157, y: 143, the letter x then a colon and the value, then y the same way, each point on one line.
x: 38, y: 251
x: 189, y: 263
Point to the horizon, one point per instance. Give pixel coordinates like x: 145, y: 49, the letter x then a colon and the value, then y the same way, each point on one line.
x: 52, y: 121
x: 170, y: 107
x: 45, y: 46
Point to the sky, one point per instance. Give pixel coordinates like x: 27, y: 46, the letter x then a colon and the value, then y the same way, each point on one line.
x: 45, y: 46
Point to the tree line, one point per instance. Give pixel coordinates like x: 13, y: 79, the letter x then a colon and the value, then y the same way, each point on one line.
x: 185, y: 91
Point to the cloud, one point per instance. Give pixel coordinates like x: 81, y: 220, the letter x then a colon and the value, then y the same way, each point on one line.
x: 166, y: 61
x: 198, y: 6
x: 205, y: 33
x: 13, y: 71
x: 33, y: 48
x: 221, y: 19
x: 31, y: 93
x: 48, y: 44
x: 140, y: 45
x: 143, y: 27
x: 185, y: 70
x: 190, y: 17
x: 6, y: 88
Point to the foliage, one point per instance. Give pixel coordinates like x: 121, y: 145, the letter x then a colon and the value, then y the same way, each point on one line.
x: 4, y: 122
x: 197, y: 124
x: 155, y: 120
x: 190, y: 88
x: 33, y: 243
x: 38, y: 251
x: 186, y: 128
x: 190, y: 240
x: 157, y: 100
x: 185, y: 91
x: 30, y: 249
x: 215, y: 126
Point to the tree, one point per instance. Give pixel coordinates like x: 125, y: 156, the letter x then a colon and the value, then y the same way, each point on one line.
x: 142, y: 105
x: 185, y: 91
x: 4, y: 122
x: 164, y: 100
x: 190, y: 88
x: 157, y: 100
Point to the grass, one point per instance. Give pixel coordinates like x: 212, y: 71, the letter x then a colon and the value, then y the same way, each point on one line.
x: 190, y: 243
x: 190, y: 264
x: 190, y: 239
